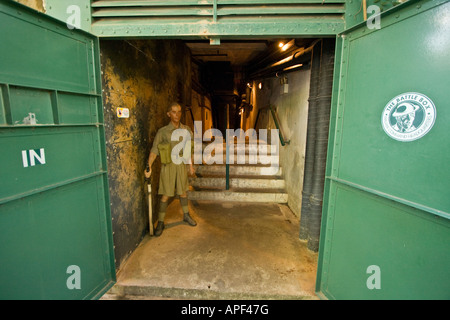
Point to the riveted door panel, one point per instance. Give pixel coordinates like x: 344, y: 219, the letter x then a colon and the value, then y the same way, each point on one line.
x: 385, y: 227
x: 55, y: 233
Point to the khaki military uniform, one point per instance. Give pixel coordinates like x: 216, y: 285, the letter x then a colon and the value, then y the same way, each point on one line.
x: 174, y: 177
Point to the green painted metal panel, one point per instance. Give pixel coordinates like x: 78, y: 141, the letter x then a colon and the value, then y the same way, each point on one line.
x: 2, y: 109
x: 43, y: 234
x: 133, y: 3
x: 205, y: 19
x: 186, y: 28
x: 55, y: 225
x: 279, y: 10
x: 409, y: 246
x: 386, y: 202
x: 72, y: 12
x: 26, y: 101
x: 106, y: 18
x: 68, y: 151
x: 354, y: 14
x: 152, y: 12
x: 146, y: 3
x: 74, y: 49
x: 77, y: 109
x: 199, y: 11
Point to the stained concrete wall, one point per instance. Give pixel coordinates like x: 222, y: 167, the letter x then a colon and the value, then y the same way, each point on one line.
x: 201, y: 111
x: 292, y: 111
x: 144, y: 77
x: 200, y: 100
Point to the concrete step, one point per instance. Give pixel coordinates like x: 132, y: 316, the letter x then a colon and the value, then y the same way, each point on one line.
x: 265, y: 149
x: 236, y: 170
x: 260, y: 148
x: 139, y: 292
x: 240, y: 195
x: 235, y: 158
x: 237, y: 182
x: 259, y: 181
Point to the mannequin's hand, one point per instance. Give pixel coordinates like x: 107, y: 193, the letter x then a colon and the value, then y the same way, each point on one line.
x: 192, y: 170
x: 148, y: 173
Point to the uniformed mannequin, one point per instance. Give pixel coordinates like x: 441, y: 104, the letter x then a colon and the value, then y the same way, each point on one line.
x: 174, y: 177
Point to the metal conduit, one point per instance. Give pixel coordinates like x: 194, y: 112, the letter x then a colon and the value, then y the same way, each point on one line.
x: 321, y: 145
x: 300, y: 56
x: 310, y: 141
x: 317, y: 138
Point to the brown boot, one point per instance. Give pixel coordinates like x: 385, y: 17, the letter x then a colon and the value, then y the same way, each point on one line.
x: 189, y: 220
x: 159, y: 228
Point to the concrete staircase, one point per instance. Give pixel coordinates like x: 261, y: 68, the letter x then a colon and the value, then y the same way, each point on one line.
x: 258, y: 179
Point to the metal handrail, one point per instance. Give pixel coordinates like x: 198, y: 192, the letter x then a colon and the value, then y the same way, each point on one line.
x: 280, y: 135
x: 275, y: 119
x: 189, y: 108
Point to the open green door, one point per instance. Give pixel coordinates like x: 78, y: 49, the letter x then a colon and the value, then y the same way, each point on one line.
x: 385, y: 226
x: 55, y: 233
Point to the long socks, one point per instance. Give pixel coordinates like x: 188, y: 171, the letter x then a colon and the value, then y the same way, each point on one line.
x: 184, y: 204
x: 162, y: 210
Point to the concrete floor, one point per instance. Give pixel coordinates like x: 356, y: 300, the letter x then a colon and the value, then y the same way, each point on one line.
x: 237, y: 251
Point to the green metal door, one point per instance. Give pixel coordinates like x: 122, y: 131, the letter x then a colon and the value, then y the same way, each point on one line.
x: 55, y: 234
x: 385, y: 226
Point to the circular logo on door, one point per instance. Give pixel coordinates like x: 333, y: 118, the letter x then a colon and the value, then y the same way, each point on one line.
x: 408, y: 116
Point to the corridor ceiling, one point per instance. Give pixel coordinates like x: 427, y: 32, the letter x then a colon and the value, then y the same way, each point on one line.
x: 238, y: 53
x: 251, y: 54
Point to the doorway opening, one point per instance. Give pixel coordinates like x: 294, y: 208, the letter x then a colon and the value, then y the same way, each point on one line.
x: 240, y: 84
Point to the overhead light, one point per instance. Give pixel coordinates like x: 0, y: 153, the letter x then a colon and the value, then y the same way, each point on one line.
x: 281, y: 44
x: 287, y: 45
x: 249, y: 85
x: 260, y: 85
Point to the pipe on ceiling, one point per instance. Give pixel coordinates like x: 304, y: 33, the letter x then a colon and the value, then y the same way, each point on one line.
x: 285, y: 63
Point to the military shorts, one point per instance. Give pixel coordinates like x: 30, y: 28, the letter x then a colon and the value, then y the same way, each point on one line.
x: 173, y: 179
